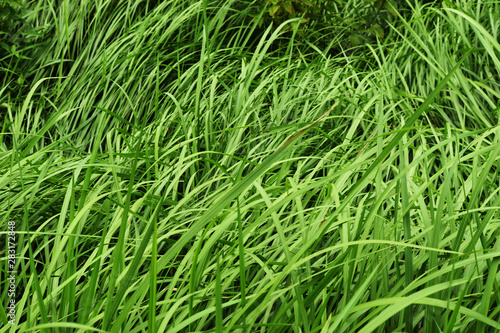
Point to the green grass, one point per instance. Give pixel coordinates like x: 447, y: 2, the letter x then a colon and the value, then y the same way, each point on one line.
x: 172, y: 167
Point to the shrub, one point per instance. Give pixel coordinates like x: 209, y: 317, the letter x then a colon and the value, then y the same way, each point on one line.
x: 358, y: 22
x: 11, y: 22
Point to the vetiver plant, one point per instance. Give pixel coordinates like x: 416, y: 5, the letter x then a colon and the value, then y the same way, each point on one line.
x: 169, y: 167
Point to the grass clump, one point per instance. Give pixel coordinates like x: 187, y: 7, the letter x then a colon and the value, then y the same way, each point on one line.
x: 169, y: 168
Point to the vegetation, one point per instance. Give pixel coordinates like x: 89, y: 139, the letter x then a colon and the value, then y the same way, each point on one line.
x: 361, y: 20
x: 171, y: 166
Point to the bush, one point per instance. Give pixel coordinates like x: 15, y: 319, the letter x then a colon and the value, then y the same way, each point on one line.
x: 352, y: 23
x: 11, y: 23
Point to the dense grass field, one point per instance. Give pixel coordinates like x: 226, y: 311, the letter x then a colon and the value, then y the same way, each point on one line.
x: 171, y: 166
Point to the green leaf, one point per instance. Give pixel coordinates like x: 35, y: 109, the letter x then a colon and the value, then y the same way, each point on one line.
x: 377, y: 30
x: 274, y: 9
x: 356, y: 40
x: 287, y: 5
x: 391, y: 7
